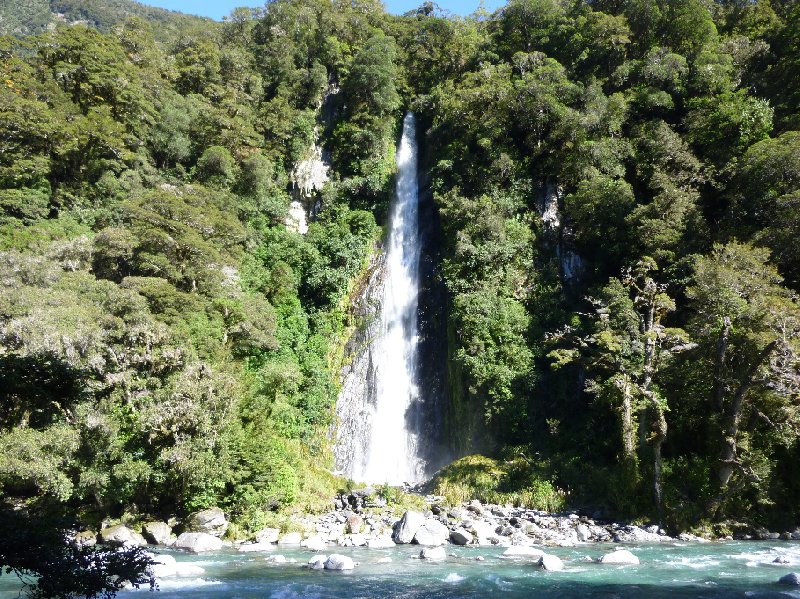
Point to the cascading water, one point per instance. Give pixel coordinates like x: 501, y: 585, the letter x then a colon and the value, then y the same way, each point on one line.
x: 379, y: 409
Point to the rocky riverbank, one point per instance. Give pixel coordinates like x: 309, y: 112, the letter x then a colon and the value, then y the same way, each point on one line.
x: 362, y: 519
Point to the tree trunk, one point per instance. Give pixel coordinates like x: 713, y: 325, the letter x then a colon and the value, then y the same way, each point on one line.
x: 733, y: 419
x: 719, y: 364
x: 628, y: 425
x: 658, y: 442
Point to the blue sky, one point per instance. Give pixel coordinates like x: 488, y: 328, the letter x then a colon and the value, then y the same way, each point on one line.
x: 216, y: 9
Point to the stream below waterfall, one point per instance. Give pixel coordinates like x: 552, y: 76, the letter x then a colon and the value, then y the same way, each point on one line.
x: 670, y: 570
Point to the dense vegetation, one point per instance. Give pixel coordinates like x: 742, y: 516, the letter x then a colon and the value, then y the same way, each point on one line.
x: 619, y: 189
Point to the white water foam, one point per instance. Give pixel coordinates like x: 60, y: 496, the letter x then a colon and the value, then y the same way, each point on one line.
x: 454, y: 578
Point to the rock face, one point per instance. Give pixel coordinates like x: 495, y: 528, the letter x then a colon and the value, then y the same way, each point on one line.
x: 460, y: 537
x: 433, y: 553
x: 211, y: 521
x: 197, y: 542
x: 408, y: 527
x: 122, y: 534
x: 432, y: 533
x: 551, y: 563
x: 621, y: 556
x: 792, y: 579
x: 158, y: 533
x: 339, y: 562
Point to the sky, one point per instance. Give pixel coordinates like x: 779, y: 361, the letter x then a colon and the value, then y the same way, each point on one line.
x: 216, y: 9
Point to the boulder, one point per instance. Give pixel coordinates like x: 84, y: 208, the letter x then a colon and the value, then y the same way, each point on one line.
x: 255, y: 547
x: 158, y: 533
x: 268, y: 535
x: 408, y: 526
x: 523, y: 551
x: 433, y: 553
x: 197, y: 542
x: 85, y: 538
x: 339, y: 562
x: 122, y: 534
x: 354, y: 524
x: 317, y: 562
x: 314, y: 544
x: 620, y: 556
x: 583, y: 533
x: 166, y: 565
x: 485, y: 531
x: 358, y: 540
x: 460, y: 537
x: 211, y: 521
x: 792, y: 579
x: 292, y: 538
x: 380, y: 543
x: 781, y: 559
x: 432, y: 533
x: 275, y: 559
x: 551, y: 563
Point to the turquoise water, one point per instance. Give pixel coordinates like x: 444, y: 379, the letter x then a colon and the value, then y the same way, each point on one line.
x: 731, y: 569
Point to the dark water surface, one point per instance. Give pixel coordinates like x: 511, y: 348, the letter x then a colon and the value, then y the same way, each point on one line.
x: 674, y: 571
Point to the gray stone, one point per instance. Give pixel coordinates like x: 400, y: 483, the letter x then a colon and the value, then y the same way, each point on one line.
x: 197, y: 542
x: 314, y: 544
x: 268, y: 535
x: 551, y: 563
x: 276, y: 559
x: 339, y: 562
x: 122, y: 534
x: 355, y: 524
x: 792, y: 579
x: 256, y: 547
x: 432, y: 533
x: 408, y: 526
x: 460, y: 537
x: 583, y: 532
x: 158, y: 533
x: 211, y: 521
x: 317, y: 562
x: 292, y: 538
x: 433, y: 553
x: 380, y: 543
x: 781, y: 560
x: 620, y: 556
x: 85, y: 538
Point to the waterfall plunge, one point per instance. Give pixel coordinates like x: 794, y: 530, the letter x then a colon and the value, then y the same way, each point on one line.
x: 380, y: 413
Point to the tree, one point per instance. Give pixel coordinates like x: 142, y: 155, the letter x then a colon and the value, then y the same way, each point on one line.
x: 748, y: 328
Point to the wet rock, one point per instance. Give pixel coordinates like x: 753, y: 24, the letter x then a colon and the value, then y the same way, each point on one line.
x: 792, y: 579
x: 551, y: 563
x: 276, y: 559
x: 198, y: 542
x: 432, y: 532
x: 314, y: 544
x: 339, y: 562
x: 211, y: 521
x: 158, y: 533
x: 408, y: 527
x: 268, y: 535
x: 460, y: 537
x: 317, y: 562
x: 781, y: 559
x: 292, y: 538
x: 433, y: 553
x: 122, y: 534
x: 620, y: 556
x: 380, y: 543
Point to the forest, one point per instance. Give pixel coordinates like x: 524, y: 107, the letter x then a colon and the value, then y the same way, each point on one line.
x: 618, y: 190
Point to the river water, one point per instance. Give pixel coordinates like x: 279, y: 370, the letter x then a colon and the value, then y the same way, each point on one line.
x: 674, y: 571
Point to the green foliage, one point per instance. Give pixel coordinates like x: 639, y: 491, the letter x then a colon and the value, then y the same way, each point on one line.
x: 515, y: 481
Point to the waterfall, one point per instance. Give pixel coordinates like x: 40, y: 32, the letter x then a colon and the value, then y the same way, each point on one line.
x: 380, y: 409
